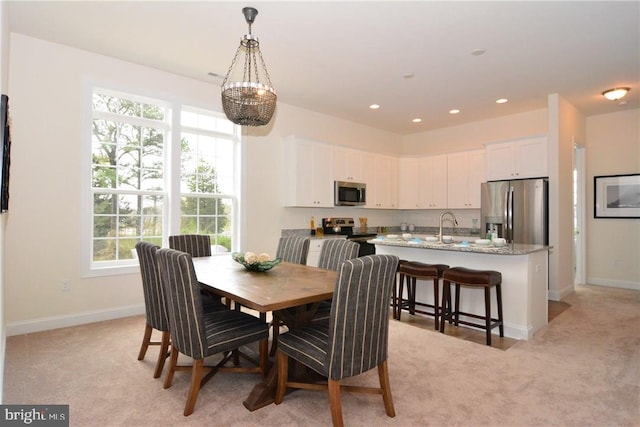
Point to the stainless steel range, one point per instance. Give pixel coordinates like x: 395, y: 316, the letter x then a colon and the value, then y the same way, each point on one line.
x: 344, y: 226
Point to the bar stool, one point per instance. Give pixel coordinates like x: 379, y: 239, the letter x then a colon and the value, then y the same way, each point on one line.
x: 414, y: 271
x: 486, y: 279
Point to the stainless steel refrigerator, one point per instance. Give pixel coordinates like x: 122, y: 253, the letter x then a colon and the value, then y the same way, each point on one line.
x: 517, y: 210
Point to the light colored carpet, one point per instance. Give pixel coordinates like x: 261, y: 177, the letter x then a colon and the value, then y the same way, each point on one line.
x: 583, y: 369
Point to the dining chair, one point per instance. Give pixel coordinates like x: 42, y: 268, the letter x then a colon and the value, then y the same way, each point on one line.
x: 334, y: 251
x: 332, y: 254
x: 198, y: 334
x: 196, y: 245
x: 154, y: 304
x: 293, y: 249
x: 354, y: 341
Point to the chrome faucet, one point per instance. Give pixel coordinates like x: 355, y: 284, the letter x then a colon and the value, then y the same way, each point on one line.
x: 455, y: 223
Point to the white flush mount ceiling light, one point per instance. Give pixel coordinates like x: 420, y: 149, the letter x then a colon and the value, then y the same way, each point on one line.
x: 374, y: 106
x: 615, y: 93
x: 501, y: 101
x: 454, y: 111
x: 417, y: 120
x: 250, y: 101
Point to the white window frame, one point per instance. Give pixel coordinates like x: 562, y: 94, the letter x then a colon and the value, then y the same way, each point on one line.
x: 171, y: 207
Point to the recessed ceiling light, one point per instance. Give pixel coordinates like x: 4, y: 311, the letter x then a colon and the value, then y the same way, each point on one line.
x: 501, y: 100
x: 374, y: 106
x: 407, y: 75
x: 417, y: 120
x: 454, y: 111
x: 478, y: 52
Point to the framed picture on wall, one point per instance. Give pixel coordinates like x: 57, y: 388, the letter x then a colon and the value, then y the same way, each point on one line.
x: 617, y: 196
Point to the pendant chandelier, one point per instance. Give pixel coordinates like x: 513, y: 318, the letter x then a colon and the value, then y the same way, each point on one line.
x: 252, y: 101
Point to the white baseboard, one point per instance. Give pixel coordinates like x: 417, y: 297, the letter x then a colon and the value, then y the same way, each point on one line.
x: 55, y: 322
x: 614, y: 283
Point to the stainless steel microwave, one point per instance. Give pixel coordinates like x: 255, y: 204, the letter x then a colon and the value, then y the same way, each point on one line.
x: 348, y: 193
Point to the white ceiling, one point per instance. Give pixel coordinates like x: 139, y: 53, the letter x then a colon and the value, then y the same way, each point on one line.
x: 338, y: 57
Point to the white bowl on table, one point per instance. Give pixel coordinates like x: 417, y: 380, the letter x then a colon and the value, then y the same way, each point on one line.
x: 482, y: 242
x: 447, y: 239
x: 407, y: 236
x: 392, y: 236
x: 431, y: 239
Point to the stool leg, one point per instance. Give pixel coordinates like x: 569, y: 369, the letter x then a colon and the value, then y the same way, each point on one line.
x: 446, y: 304
x: 394, y: 298
x: 456, y: 310
x: 411, y: 290
x: 499, y: 299
x: 487, y: 307
x: 400, y: 295
x: 436, y: 313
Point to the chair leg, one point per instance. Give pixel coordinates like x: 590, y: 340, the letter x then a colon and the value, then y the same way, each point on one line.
x: 445, y: 309
x: 146, y: 339
x: 334, y: 402
x: 173, y: 361
x: 196, y: 380
x: 162, y: 355
x: 283, y: 370
x: 275, y: 324
x: 385, y: 385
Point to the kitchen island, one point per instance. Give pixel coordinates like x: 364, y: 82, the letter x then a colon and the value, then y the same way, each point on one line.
x: 524, y: 271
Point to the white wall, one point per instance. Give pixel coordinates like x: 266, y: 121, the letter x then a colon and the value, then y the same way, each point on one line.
x: 613, y: 245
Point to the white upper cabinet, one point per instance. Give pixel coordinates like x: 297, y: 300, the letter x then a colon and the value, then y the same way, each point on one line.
x: 408, y: 183
x: 423, y: 182
x: 465, y: 174
x: 525, y: 158
x: 432, y: 175
x: 347, y: 165
x: 382, y: 181
x: 308, y: 176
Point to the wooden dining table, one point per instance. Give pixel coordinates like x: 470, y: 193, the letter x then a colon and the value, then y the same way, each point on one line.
x: 284, y: 287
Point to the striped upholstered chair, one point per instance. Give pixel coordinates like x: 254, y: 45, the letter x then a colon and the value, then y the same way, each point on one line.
x: 334, y: 251
x: 196, y: 245
x: 293, y: 249
x: 154, y: 304
x: 200, y: 334
x: 356, y: 338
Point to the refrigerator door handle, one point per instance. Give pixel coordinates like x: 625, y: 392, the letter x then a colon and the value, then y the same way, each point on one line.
x: 510, y: 219
x: 505, y: 215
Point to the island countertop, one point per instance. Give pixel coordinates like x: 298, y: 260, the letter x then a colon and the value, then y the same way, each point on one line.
x: 524, y: 270
x: 508, y: 249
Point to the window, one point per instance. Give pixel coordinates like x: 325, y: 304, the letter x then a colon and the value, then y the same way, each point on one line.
x: 207, y: 147
x: 132, y: 159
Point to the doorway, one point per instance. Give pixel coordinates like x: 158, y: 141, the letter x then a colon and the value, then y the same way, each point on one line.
x: 579, y: 205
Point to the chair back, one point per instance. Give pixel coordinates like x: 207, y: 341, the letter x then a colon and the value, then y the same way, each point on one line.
x: 359, y: 322
x: 334, y: 251
x: 293, y: 249
x: 196, y: 245
x: 184, y: 306
x: 155, y: 303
